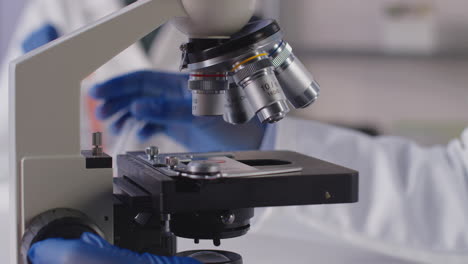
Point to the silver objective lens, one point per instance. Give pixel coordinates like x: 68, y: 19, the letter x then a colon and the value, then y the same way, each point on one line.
x: 237, y: 108
x: 256, y: 76
x: 298, y: 84
x: 208, y: 93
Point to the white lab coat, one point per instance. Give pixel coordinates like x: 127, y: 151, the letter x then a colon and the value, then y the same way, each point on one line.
x: 413, y: 200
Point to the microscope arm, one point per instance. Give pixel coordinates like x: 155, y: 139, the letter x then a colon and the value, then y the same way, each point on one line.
x: 54, y: 73
x: 44, y: 107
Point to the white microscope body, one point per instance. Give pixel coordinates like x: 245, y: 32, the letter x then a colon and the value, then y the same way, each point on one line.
x: 48, y: 171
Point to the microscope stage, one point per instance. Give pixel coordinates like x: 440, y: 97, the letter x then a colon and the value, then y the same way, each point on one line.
x: 240, y: 180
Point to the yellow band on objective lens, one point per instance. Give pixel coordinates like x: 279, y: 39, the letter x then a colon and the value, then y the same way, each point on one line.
x: 247, y: 60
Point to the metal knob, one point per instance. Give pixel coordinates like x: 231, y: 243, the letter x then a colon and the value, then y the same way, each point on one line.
x: 97, y: 144
x: 172, y: 162
x: 203, y: 167
x: 228, y: 219
x: 152, y: 152
x: 143, y: 218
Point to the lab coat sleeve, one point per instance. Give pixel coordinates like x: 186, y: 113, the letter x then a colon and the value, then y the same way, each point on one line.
x: 413, y: 199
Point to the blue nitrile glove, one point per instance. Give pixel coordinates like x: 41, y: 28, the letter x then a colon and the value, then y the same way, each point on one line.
x: 40, y: 37
x: 92, y: 249
x: 163, y: 102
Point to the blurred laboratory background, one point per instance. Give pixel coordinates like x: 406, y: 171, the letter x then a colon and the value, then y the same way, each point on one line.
x: 395, y: 67
x: 10, y: 11
x: 386, y: 67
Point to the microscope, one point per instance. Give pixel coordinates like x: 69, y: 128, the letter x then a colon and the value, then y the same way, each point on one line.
x: 238, y: 70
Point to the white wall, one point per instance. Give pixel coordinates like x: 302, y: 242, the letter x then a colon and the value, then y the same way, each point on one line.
x: 356, y: 25
x: 9, y: 13
x: 425, y: 99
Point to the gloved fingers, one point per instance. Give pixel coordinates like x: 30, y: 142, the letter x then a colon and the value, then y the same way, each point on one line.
x: 174, y: 85
x: 159, y: 110
x: 40, y: 37
x: 143, y: 83
x: 124, y: 85
x: 61, y: 251
x: 119, y: 124
x: 149, y: 130
x: 95, y: 240
x: 112, y: 107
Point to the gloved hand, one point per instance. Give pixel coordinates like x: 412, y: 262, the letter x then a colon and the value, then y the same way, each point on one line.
x: 92, y: 249
x: 40, y: 37
x: 163, y: 102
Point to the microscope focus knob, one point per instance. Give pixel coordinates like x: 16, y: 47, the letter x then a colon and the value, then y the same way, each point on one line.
x: 57, y: 223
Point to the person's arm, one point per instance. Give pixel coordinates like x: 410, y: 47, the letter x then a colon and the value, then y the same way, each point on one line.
x: 413, y: 199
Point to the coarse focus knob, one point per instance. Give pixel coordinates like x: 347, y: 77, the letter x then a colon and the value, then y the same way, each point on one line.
x: 57, y: 223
